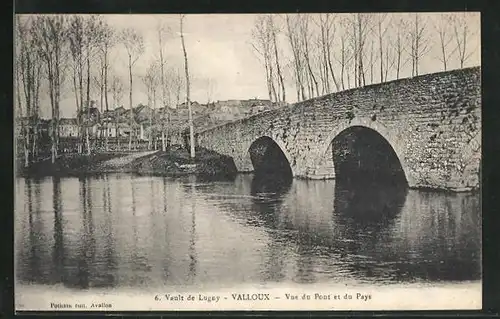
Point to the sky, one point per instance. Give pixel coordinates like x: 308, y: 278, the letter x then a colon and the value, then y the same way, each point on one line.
x: 219, y: 50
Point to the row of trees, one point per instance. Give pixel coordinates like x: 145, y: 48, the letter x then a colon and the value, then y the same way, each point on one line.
x: 58, y: 50
x: 324, y: 53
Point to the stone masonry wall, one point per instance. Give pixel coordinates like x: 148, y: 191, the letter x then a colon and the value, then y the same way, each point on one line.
x: 433, y: 123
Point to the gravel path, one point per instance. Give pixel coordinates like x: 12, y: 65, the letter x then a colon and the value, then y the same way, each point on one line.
x: 124, y: 160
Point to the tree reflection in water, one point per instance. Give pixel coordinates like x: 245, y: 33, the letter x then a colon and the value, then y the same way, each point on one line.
x: 58, y: 256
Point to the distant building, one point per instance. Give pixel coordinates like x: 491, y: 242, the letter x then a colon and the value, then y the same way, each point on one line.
x: 231, y: 110
x: 119, y: 111
x: 142, y: 113
x: 34, y: 124
x: 90, y: 117
x: 68, y: 127
x: 196, y: 108
x: 256, y: 103
x: 117, y: 122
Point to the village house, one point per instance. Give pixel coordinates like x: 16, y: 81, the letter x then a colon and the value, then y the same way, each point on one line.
x: 20, y: 124
x: 114, y: 123
x: 123, y: 129
x: 118, y: 122
x: 110, y: 122
x: 41, y: 126
x: 229, y: 110
x: 68, y: 127
x: 89, y: 118
x: 144, y: 117
x: 196, y: 108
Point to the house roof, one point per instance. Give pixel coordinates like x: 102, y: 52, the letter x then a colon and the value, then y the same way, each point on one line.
x: 94, y: 110
x: 68, y: 121
x: 139, y: 108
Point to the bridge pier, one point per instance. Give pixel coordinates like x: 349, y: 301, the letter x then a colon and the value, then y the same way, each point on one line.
x: 324, y: 169
x: 244, y: 163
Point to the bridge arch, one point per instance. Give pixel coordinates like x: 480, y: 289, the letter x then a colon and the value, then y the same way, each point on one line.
x: 267, y: 139
x: 392, y: 137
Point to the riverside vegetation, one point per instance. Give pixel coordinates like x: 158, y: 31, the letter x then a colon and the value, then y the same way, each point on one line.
x: 176, y: 161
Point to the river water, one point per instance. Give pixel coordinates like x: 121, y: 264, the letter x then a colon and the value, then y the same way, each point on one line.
x: 128, y: 231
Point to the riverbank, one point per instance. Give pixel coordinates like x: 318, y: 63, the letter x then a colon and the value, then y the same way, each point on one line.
x: 174, y: 162
x: 177, y: 162
x: 68, y: 164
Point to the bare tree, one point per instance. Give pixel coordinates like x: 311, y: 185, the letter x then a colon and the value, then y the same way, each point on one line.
x: 398, y: 44
x: 21, y: 66
x: 389, y: 58
x: 263, y: 45
x: 28, y: 69
x: 186, y: 69
x: 51, y: 35
x: 167, y: 106
x: 117, y: 92
x: 383, y: 24
x: 163, y: 31
x: 361, y: 24
x: 151, y: 82
x: 305, y: 36
x: 154, y: 87
x: 134, y: 46
x: 275, y: 29
x: 76, y: 35
x: 107, y: 39
x: 98, y: 84
x: 372, y: 61
x: 419, y: 42
x: 442, y: 25
x: 175, y: 90
x: 91, y: 28
x: 346, y: 54
x: 293, y: 34
x: 176, y: 84
x: 326, y: 23
x: 210, y: 87
x: 462, y: 33
x: 19, y: 116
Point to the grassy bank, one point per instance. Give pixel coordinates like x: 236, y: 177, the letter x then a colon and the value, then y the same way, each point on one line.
x: 177, y: 162
x: 174, y: 162
x: 68, y: 164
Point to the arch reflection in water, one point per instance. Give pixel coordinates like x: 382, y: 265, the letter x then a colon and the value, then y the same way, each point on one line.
x: 369, y: 204
x: 386, y: 234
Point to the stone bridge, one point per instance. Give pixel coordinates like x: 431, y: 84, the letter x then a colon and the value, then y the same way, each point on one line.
x: 432, y: 123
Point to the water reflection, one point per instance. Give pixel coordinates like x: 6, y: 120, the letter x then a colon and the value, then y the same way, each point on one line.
x: 86, y: 243
x: 369, y: 204
x: 268, y: 192
x: 139, y: 231
x: 107, y: 277
x: 58, y: 248
x: 34, y: 221
x: 192, y: 238
x: 166, y: 248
